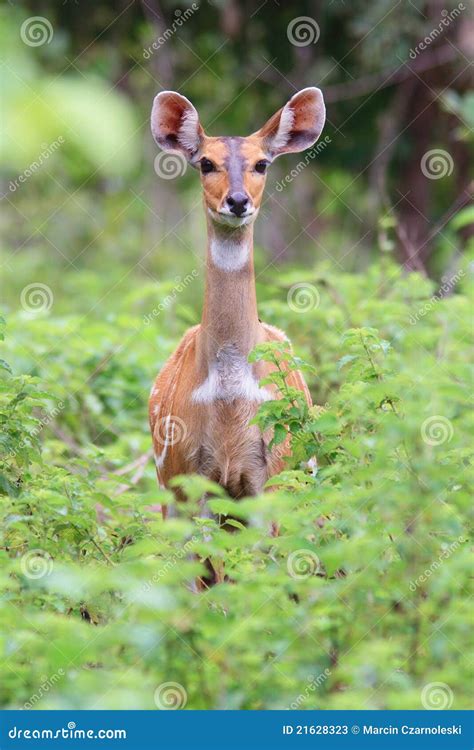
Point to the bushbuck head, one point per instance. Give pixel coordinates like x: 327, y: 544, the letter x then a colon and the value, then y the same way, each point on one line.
x: 233, y: 169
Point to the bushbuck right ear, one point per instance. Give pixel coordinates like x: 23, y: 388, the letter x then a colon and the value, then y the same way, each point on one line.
x: 175, y: 124
x: 297, y: 125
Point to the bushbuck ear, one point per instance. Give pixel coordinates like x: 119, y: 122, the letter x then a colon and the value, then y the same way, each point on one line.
x: 175, y: 124
x: 297, y: 125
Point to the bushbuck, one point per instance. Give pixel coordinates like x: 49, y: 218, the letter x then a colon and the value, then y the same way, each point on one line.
x: 207, y: 392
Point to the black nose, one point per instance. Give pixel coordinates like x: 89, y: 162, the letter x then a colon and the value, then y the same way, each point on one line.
x: 237, y: 203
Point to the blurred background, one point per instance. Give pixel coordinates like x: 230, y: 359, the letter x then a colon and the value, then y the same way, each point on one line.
x: 82, y: 193
x: 369, y: 234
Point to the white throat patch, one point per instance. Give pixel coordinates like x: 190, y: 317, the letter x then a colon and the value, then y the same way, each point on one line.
x: 229, y: 255
x: 230, y: 377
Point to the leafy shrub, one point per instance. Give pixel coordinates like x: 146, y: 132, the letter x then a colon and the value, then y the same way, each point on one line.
x: 362, y: 599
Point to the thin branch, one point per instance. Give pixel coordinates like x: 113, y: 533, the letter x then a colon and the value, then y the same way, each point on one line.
x: 138, y: 462
x: 461, y: 201
x: 140, y: 465
x: 388, y: 77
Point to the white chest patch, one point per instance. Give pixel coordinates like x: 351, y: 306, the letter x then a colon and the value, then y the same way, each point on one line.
x: 229, y: 255
x: 230, y: 377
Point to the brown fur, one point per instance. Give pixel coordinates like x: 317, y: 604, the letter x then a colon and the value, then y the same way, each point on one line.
x: 215, y: 438
x: 216, y: 184
x: 219, y: 442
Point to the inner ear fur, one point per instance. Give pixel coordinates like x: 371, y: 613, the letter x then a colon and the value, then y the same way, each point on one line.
x: 297, y: 125
x: 175, y: 124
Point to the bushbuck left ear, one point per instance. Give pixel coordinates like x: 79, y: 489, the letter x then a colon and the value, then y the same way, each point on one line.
x: 297, y: 125
x: 175, y: 124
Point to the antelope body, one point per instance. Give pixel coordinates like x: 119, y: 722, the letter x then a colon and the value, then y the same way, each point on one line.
x: 207, y: 392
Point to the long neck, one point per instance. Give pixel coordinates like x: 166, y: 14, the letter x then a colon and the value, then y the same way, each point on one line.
x: 230, y: 304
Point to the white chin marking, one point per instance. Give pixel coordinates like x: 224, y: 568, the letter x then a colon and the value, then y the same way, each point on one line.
x: 229, y: 254
x: 229, y: 220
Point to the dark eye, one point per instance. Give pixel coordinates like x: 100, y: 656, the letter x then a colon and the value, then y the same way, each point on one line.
x: 207, y: 166
x: 261, y: 166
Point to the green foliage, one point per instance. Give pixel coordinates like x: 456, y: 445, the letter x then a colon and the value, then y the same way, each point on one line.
x: 362, y: 598
x: 364, y: 590
x: 463, y: 107
x: 99, y: 138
